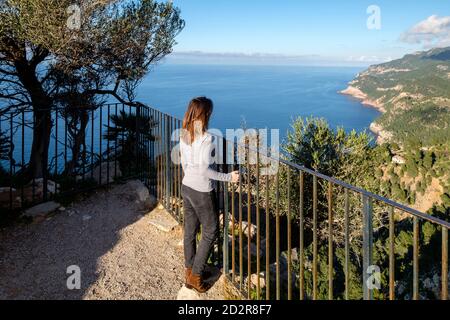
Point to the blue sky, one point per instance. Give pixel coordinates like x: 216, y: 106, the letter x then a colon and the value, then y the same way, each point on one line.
x: 311, y: 31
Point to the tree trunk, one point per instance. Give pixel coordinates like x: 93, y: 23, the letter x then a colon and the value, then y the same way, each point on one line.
x: 41, y: 139
x: 42, y: 103
x: 79, y: 141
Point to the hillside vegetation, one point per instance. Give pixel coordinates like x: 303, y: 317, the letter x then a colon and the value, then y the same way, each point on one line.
x: 414, y: 95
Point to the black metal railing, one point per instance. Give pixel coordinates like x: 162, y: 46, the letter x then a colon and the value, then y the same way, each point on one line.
x: 291, y: 234
x: 84, y: 148
x: 299, y: 234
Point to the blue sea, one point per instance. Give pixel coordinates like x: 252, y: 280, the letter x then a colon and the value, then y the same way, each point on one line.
x: 261, y: 96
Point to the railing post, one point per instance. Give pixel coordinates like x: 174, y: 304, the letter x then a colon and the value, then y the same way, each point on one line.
x: 167, y: 147
x: 367, y: 245
x: 225, y: 210
x: 44, y: 125
x: 137, y: 142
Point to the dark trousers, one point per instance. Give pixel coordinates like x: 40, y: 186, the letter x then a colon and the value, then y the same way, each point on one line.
x: 199, y: 209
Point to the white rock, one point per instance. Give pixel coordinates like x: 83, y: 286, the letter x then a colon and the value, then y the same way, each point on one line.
x: 137, y: 192
x: 254, y: 280
x: 163, y: 222
x: 248, y: 229
x: 42, y: 209
x: 187, y: 294
x: 7, y: 189
x: 86, y: 217
x: 107, y: 171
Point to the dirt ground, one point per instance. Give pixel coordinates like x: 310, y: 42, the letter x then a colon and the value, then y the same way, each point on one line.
x: 109, y: 237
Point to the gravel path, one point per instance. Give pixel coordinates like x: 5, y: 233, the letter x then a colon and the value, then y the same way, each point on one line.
x: 120, y: 254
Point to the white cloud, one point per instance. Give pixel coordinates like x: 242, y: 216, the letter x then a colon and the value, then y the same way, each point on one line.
x: 369, y: 59
x: 431, y: 32
x: 196, y: 57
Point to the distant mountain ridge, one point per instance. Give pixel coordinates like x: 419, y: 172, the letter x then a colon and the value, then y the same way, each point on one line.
x: 413, y: 93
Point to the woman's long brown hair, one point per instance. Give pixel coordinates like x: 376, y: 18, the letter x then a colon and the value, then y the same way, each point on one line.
x: 196, y: 119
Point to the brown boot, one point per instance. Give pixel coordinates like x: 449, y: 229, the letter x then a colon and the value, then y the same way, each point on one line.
x: 187, y: 274
x: 196, y: 283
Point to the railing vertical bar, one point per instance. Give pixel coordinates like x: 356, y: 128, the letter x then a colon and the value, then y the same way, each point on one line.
x: 11, y: 159
x: 157, y: 156
x: 56, y: 148
x: 241, y: 260
x: 226, y: 210
x: 391, y: 254
x: 22, y: 190
x: 330, y: 241
x: 233, y: 227
x: 107, y: 144
x: 171, y: 166
x: 258, y: 225
x: 84, y: 148
x: 267, y: 239
x: 92, y: 142
x: 277, y: 232
x: 444, y: 275
x: 289, y: 234
x: 45, y: 160
x: 172, y: 178
x: 314, y: 267
x: 151, y: 149
x: 416, y: 259
x: 100, y: 146
x: 163, y: 162
x: 115, y: 145
x: 302, y: 237
x: 65, y: 137
x: 159, y: 159
x: 166, y: 168
x: 367, y: 245
x: 347, y: 244
x: 179, y: 172
x: 249, y: 225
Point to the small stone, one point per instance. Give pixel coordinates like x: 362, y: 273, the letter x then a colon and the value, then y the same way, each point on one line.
x: 254, y: 280
x: 86, y: 217
x: 62, y: 209
x: 181, y: 243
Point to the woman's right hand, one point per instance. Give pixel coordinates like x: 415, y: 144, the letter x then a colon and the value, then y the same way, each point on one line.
x: 235, y: 177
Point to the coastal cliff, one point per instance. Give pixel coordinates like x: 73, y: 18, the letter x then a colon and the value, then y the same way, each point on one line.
x: 413, y: 95
x: 381, y: 134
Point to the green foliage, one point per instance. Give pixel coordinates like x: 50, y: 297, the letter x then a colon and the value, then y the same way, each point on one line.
x: 313, y: 144
x: 428, y: 160
x: 446, y: 200
x: 415, y: 101
x: 411, y: 168
x: 131, y: 133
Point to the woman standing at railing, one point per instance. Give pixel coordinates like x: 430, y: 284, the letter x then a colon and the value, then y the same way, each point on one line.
x: 196, y: 148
